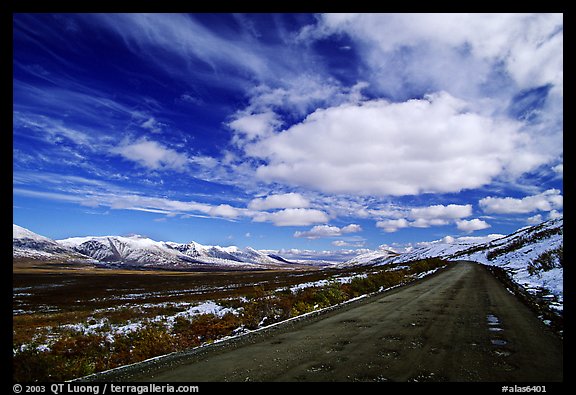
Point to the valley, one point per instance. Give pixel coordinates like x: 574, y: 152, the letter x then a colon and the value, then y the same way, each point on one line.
x: 458, y: 325
x: 74, y: 323
x: 75, y: 315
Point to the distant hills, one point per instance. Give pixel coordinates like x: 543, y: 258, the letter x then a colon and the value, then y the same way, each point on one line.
x: 138, y: 252
x: 532, y: 256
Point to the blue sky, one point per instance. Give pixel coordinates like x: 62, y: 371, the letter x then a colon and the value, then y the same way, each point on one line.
x: 332, y: 132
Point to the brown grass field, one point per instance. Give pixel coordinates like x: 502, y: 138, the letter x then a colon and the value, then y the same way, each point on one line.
x: 70, y: 320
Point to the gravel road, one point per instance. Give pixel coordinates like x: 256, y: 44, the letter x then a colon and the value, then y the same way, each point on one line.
x: 458, y: 325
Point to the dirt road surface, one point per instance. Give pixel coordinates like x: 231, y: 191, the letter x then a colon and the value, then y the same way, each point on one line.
x: 459, y: 325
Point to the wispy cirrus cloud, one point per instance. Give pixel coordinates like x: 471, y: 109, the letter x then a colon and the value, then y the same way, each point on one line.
x: 97, y: 193
x: 379, y: 120
x: 185, y: 48
x: 528, y: 46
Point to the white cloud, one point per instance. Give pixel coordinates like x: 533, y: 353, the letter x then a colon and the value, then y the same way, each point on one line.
x: 152, y: 125
x: 439, y: 211
x: 546, y: 201
x: 553, y: 214
x: 321, y: 231
x: 472, y: 225
x: 382, y: 148
x: 185, y: 38
x: 254, y: 126
x: 353, y: 243
x: 225, y: 211
x: 423, y: 217
x: 488, y: 60
x: 448, y: 46
x: 302, y: 92
x: 325, y: 255
x: 152, y: 155
x: 286, y: 200
x: 438, y: 215
x: 426, y: 223
x: 392, y: 225
x: 352, y: 228
x: 96, y: 193
x: 559, y: 169
x: 535, y: 219
x: 292, y: 217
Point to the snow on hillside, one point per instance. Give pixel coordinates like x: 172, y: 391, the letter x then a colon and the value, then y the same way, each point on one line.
x: 142, y: 251
x: 532, y: 256
x: 126, y: 249
x: 369, y: 258
x: 27, y: 244
x: 138, y: 251
x: 442, y: 248
x: 19, y: 232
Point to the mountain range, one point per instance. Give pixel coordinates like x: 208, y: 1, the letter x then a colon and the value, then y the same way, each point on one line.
x: 532, y: 256
x: 140, y: 252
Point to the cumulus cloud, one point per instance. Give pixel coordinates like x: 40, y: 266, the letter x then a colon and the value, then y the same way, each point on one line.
x: 292, y: 217
x: 251, y: 127
x: 425, y: 217
x: 548, y: 200
x: 321, y: 231
x: 352, y: 228
x: 151, y: 155
x: 225, y: 211
x: 437, y: 215
x: 392, y: 225
x: 439, y: 211
x: 345, y: 243
x: 472, y: 225
x: 286, y: 200
x: 559, y: 169
x: 390, y: 150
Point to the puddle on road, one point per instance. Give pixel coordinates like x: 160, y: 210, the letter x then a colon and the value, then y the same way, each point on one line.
x: 492, y: 319
x: 494, y: 326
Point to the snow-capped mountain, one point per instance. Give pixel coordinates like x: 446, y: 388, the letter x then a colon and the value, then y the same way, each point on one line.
x: 137, y: 251
x: 30, y: 245
x: 140, y: 252
x: 133, y: 250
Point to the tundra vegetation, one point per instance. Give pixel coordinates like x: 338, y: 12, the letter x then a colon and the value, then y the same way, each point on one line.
x: 81, y: 327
